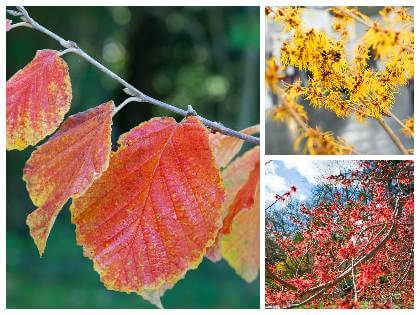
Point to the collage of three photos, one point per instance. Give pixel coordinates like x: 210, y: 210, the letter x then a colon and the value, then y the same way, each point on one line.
x: 135, y: 162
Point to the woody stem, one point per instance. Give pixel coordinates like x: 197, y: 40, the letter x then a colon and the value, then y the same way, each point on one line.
x: 393, y: 136
x: 71, y: 46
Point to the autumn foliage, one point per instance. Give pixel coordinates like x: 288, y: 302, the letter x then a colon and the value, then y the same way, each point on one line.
x: 352, y: 247
x: 148, y: 212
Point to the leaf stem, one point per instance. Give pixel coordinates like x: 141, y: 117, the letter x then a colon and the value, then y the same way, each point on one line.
x: 130, y: 89
x: 20, y: 24
x: 126, y: 101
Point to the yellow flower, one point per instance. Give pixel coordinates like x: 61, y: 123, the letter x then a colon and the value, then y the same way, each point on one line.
x: 318, y: 142
x: 399, y: 68
x: 282, y: 112
x: 403, y: 16
x: 361, y: 57
x: 386, y: 42
x: 346, y: 86
x: 408, y: 129
x: 322, y: 57
x: 385, y: 12
x: 272, y: 73
x: 340, y: 23
x: 289, y: 17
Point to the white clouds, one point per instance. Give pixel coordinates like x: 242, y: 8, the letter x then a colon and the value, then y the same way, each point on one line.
x: 307, y: 169
x: 271, y: 167
x: 302, y: 197
x: 313, y: 171
x: 274, y: 183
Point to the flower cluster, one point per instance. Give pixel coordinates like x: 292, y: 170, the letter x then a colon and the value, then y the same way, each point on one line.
x: 354, y: 243
x: 321, y: 143
x: 360, y: 84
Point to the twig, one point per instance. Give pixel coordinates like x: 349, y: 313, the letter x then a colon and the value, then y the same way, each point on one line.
x: 398, y: 121
x: 354, y: 16
x: 354, y: 281
x: 344, y: 274
x: 293, y: 114
x: 405, y: 273
x: 131, y: 90
x: 299, y: 121
x: 393, y: 136
x: 277, y: 200
x: 284, y: 283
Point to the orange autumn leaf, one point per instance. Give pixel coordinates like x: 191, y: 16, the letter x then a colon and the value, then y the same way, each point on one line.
x: 244, y: 199
x: 236, y: 177
x: 66, y: 165
x: 151, y: 216
x: 241, y: 247
x: 37, y: 98
x: 226, y: 147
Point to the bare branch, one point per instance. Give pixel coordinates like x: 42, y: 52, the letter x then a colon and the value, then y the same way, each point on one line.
x: 129, y: 89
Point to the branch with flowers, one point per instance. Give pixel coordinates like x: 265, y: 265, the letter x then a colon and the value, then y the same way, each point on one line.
x: 350, y: 87
x: 352, y: 247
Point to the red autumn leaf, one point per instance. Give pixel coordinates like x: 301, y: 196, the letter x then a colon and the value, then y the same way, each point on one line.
x: 244, y: 199
x: 66, y: 165
x: 236, y: 177
x: 8, y: 24
x: 241, y: 247
x: 226, y: 147
x: 151, y: 216
x: 37, y: 98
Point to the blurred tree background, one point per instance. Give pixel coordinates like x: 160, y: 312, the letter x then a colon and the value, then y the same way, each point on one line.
x: 204, y: 56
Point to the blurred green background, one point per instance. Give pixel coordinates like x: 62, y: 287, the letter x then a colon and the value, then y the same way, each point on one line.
x: 204, y: 56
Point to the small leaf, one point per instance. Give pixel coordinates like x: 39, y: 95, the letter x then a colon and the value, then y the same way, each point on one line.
x: 244, y: 199
x: 37, y: 98
x: 241, y: 247
x: 153, y: 213
x: 8, y: 25
x: 236, y: 177
x: 66, y: 165
x: 226, y: 147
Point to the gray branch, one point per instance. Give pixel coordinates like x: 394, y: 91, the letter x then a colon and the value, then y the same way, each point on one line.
x: 71, y: 46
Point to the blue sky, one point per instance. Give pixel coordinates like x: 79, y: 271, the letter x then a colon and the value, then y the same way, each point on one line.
x: 304, y: 174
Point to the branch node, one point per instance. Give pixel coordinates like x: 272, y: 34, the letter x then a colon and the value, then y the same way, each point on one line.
x: 128, y: 92
x: 69, y: 44
x: 191, y: 111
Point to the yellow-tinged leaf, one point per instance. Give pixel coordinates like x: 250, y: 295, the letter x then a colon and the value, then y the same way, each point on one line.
x: 37, y: 98
x: 241, y: 247
x: 152, y: 215
x: 237, y: 179
x: 66, y: 165
x: 226, y: 147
